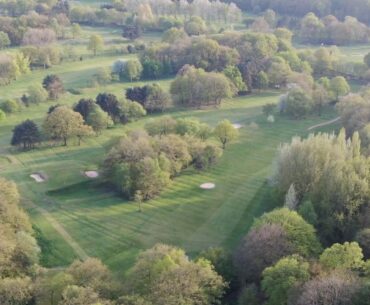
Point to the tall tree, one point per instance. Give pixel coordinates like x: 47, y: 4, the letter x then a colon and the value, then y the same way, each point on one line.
x: 95, y: 44
x: 26, y: 134
x: 53, y: 85
x: 226, y: 132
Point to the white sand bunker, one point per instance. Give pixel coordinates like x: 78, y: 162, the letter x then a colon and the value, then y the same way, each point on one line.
x: 92, y: 174
x: 207, y: 186
x: 237, y: 126
x: 38, y: 177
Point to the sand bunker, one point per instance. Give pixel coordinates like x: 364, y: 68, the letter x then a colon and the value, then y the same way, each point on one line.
x: 92, y: 174
x: 237, y: 126
x: 38, y: 177
x: 207, y: 186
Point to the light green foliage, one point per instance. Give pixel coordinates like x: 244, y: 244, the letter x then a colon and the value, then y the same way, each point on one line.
x: 195, y: 26
x: 334, y: 183
x: 301, y: 234
x: 99, y: 119
x: 64, y: 123
x: 226, y: 132
x: 76, y: 30
x: 95, y: 44
x: 343, y: 256
x: 174, y: 34
x: 165, y: 275
x: 2, y: 115
x: 37, y: 94
x: 131, y: 111
x: 132, y: 70
x: 14, y: 291
x: 297, y: 103
x: 233, y: 73
x: 280, y: 278
x: 10, y: 106
x: 339, y: 86
x: 4, y: 40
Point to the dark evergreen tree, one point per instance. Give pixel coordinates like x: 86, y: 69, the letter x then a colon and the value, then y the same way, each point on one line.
x: 26, y: 134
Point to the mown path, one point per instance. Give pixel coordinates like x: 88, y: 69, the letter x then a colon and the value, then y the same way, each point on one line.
x: 324, y: 124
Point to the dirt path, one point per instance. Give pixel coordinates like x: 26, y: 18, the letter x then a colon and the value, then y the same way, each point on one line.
x: 324, y: 124
x: 60, y: 229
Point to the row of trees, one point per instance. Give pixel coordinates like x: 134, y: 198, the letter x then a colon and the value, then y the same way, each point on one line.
x: 141, y: 164
x: 329, y: 30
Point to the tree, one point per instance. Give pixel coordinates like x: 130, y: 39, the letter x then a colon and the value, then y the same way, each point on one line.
x: 157, y: 99
x: 174, y: 34
x: 342, y: 256
x: 76, y: 30
x: 75, y: 295
x: 53, y: 85
x: 291, y: 201
x: 363, y: 238
x: 280, y: 278
x: 64, y: 123
x: 4, y: 40
x: 333, y: 289
x: 85, y: 107
x: 165, y: 275
x: 39, y: 37
x: 299, y: 233
x: 262, y: 80
x: 109, y: 103
x: 132, y: 70
x: 14, y: 291
x: 2, y: 115
x: 96, y: 43
x: 297, y: 103
x: 320, y: 98
x: 339, y: 86
x: 259, y: 249
x: 226, y: 132
x: 233, y: 73
x: 99, y: 119
x: 195, y: 26
x: 37, y: 94
x: 10, y: 106
x: 26, y: 134
x: 307, y: 211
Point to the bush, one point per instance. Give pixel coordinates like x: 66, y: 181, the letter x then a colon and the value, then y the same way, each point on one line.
x: 10, y: 106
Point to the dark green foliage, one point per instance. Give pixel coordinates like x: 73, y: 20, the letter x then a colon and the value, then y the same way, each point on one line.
x: 26, y: 135
x: 53, y: 85
x: 84, y: 107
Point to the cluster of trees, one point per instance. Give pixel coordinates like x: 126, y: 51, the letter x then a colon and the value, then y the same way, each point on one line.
x: 281, y: 261
x: 87, y: 118
x: 306, y: 96
x: 141, y: 164
x: 339, y: 8
x: 334, y: 190
x: 152, y: 97
x: 12, y: 66
x: 329, y: 30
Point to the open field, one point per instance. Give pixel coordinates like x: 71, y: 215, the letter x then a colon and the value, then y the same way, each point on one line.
x: 81, y: 216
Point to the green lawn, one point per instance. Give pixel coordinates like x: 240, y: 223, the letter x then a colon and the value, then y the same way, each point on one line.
x: 106, y: 226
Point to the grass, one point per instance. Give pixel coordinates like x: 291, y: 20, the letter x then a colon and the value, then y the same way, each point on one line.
x: 70, y: 209
x: 106, y: 226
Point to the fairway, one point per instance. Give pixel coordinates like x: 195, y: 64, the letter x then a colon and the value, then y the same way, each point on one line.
x: 106, y: 226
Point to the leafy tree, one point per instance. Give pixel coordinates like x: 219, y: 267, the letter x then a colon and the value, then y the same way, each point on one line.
x: 84, y: 107
x: 14, y: 291
x: 297, y: 103
x: 339, y: 86
x: 259, y: 249
x: 76, y: 30
x: 37, y: 94
x: 2, y: 115
x: 307, y: 211
x: 26, y: 134
x: 99, y: 119
x: 262, y: 80
x: 280, y: 278
x: 130, y: 111
x: 363, y: 238
x: 226, y: 132
x: 10, y: 106
x: 109, y: 103
x: 132, y: 70
x: 163, y: 126
x: 233, y: 73
x: 96, y: 43
x: 333, y: 289
x: 195, y: 26
x: 75, y: 295
x: 64, y: 123
x: 157, y: 99
x: 300, y: 234
x: 53, y: 85
x: 320, y: 97
x: 342, y: 256
x: 4, y: 40
x: 164, y: 274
